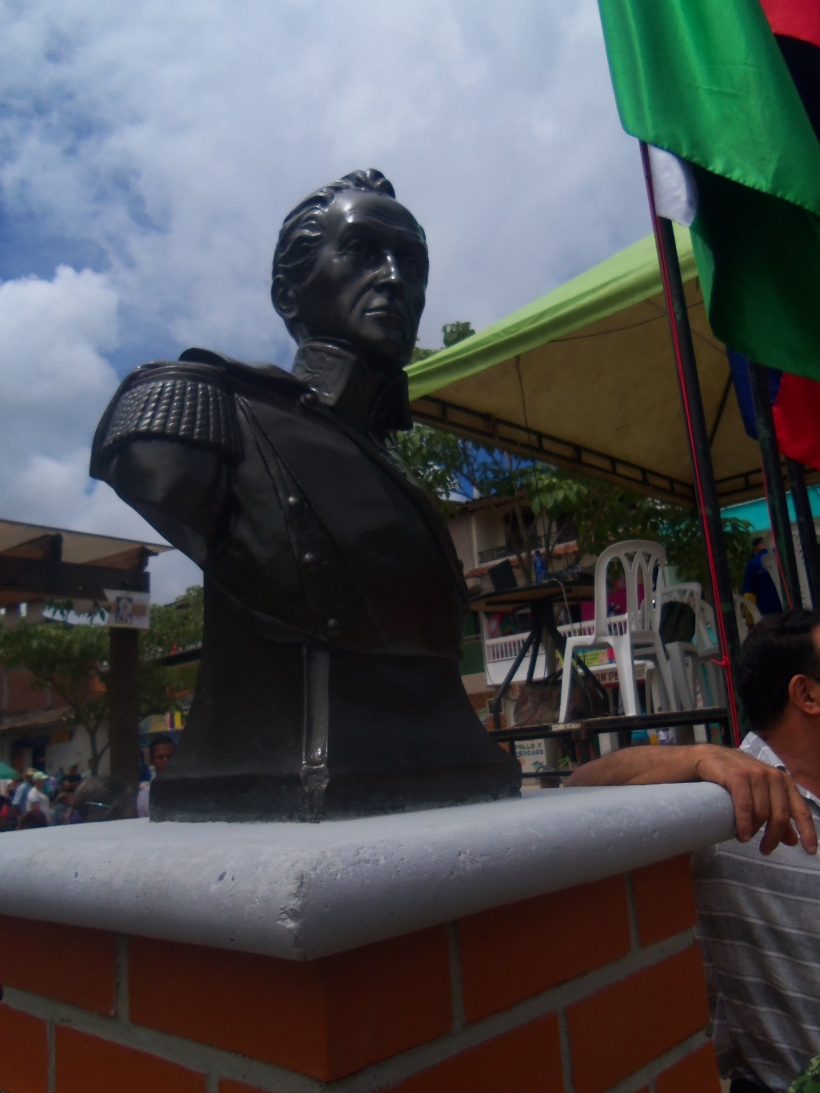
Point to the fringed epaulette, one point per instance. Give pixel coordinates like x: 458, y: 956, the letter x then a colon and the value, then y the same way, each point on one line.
x: 185, y: 408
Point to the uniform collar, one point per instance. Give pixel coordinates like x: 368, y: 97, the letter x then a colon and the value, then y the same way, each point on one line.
x: 340, y: 374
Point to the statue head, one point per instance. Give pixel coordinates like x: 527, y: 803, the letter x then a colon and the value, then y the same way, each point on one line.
x: 351, y: 265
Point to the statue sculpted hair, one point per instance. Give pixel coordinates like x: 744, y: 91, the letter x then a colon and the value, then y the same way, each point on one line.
x: 302, y: 230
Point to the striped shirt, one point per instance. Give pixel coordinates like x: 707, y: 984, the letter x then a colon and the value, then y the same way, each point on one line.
x: 759, y: 928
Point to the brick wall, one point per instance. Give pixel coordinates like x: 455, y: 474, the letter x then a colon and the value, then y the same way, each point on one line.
x: 597, y: 989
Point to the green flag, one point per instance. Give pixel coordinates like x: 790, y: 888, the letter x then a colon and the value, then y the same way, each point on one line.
x: 705, y: 80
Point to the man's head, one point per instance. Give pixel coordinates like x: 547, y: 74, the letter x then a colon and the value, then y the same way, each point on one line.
x: 758, y: 544
x: 351, y: 265
x: 30, y: 775
x: 161, y: 750
x: 778, y: 673
x: 39, y: 779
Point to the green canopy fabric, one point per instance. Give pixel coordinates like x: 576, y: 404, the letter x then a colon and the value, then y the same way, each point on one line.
x: 585, y: 378
x: 8, y: 772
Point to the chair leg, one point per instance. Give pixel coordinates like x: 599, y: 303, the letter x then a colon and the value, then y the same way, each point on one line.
x: 622, y: 648
x: 677, y: 670
x: 566, y: 679
x: 666, y: 673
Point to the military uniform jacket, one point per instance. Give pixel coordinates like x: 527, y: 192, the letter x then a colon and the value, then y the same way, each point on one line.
x: 320, y: 535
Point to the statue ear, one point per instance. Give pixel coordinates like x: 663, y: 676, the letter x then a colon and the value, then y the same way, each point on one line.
x: 284, y: 298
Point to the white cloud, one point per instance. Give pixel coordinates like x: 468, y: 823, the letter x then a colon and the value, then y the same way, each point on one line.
x: 163, y: 143
x: 54, y: 384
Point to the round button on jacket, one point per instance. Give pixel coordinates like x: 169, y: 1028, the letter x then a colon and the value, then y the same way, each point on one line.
x: 309, y: 558
x: 295, y: 504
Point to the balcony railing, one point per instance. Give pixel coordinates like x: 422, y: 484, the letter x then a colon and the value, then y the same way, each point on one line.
x: 499, y: 653
x: 493, y: 554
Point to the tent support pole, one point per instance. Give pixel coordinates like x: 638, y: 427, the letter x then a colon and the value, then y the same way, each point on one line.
x: 805, y: 529
x: 773, y: 482
x: 698, y: 434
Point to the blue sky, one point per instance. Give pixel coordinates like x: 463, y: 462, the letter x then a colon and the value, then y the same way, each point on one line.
x: 148, y: 153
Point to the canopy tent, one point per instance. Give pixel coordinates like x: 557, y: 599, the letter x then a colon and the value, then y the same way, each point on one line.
x: 584, y: 378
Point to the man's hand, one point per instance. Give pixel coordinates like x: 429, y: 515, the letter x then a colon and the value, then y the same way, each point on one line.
x: 761, y: 794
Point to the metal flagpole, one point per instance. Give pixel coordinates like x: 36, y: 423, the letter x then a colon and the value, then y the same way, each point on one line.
x: 698, y: 435
x: 805, y: 529
x: 773, y: 483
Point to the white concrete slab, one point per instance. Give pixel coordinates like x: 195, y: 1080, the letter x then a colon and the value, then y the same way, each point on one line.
x: 300, y: 891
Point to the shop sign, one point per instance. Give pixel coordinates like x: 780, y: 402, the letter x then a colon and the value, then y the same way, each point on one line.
x: 532, y: 755
x: 128, y: 610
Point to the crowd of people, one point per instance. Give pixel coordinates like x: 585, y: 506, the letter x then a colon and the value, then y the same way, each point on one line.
x: 36, y: 799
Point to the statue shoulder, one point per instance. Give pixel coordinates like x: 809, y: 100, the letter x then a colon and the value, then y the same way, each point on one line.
x: 188, y: 401
x: 191, y: 400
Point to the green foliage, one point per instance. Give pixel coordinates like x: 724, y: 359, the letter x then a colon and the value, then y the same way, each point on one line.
x: 67, y: 659
x: 451, y: 334
x: 600, y: 512
x: 174, y: 627
x: 71, y: 659
x: 455, y: 332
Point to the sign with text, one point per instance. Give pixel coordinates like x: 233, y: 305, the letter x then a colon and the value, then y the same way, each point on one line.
x: 128, y: 610
x: 532, y: 755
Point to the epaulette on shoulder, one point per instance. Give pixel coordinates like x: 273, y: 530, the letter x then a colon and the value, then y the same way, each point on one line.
x: 191, y: 403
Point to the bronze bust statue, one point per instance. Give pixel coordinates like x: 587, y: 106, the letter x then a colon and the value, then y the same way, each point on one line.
x: 334, y: 601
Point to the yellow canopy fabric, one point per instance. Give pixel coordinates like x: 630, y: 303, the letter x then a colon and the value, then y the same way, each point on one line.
x: 585, y: 378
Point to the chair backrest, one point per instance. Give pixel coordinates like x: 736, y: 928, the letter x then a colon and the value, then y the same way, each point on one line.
x: 691, y: 593
x: 642, y: 562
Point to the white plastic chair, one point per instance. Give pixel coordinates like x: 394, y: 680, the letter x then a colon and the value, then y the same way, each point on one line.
x: 691, y: 663
x: 632, y: 635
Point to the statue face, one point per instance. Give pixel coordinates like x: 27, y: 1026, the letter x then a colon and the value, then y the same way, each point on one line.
x: 369, y: 278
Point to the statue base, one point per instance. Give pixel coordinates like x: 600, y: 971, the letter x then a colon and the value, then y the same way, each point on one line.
x: 329, y: 735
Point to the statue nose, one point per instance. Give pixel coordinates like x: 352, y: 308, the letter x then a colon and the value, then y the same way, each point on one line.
x: 390, y: 268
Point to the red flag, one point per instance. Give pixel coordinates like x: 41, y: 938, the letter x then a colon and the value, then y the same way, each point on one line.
x: 796, y: 413
x: 794, y: 18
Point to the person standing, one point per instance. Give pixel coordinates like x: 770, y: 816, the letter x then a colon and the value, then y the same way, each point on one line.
x: 160, y: 752
x: 38, y: 799
x: 758, y: 585
x: 21, y: 793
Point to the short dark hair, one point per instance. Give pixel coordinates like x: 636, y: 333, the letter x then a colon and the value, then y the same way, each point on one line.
x: 302, y: 231
x: 158, y: 741
x: 780, y: 647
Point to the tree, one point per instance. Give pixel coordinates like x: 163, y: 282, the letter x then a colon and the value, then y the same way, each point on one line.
x: 68, y: 660
x: 72, y: 660
x: 451, y: 333
x: 174, y: 627
x: 543, y: 501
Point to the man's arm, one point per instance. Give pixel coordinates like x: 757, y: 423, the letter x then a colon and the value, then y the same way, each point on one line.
x: 761, y: 794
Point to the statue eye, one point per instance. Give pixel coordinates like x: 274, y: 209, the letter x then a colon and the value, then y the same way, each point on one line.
x: 362, y: 252
x: 412, y: 263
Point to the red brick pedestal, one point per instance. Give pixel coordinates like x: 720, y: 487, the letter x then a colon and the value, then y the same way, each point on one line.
x: 542, y: 944
x: 597, y: 988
